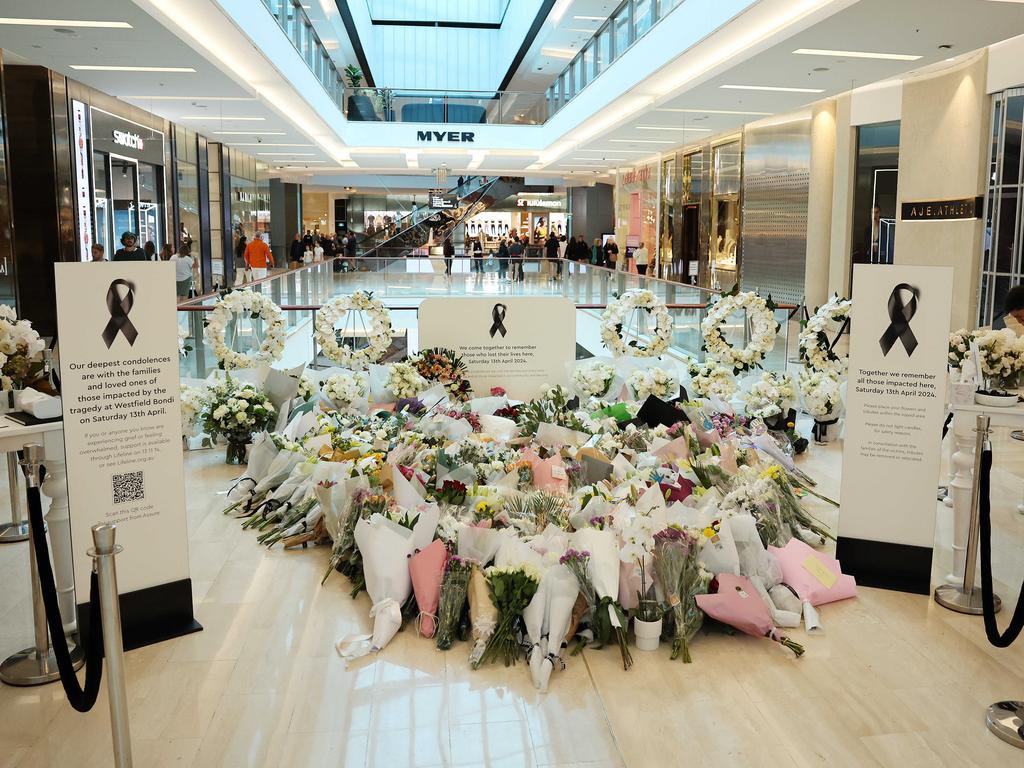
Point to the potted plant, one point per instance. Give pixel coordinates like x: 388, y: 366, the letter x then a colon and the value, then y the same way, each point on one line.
x: 638, y: 540
x: 354, y: 75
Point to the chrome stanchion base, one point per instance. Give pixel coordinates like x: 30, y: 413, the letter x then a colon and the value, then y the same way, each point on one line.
x: 28, y: 668
x: 1006, y: 720
x: 954, y: 598
x: 12, y: 532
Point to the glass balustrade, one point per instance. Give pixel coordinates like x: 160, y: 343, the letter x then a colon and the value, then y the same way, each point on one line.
x: 402, y: 283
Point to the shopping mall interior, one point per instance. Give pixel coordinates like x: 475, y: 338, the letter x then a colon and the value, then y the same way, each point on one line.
x: 576, y: 383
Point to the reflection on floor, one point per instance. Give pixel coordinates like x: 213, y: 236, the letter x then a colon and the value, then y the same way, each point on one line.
x: 895, y: 680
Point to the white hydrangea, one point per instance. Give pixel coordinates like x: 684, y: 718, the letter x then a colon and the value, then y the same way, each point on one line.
x: 653, y: 381
x: 593, y: 379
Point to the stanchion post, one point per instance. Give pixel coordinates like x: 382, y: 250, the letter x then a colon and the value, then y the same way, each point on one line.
x: 36, y: 665
x: 967, y: 598
x: 17, y: 529
x: 104, y: 550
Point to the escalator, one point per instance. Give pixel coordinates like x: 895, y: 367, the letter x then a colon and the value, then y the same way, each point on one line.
x: 425, y: 225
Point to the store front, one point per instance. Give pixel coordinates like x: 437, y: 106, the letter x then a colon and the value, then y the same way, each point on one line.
x: 636, y: 210
x: 531, y: 215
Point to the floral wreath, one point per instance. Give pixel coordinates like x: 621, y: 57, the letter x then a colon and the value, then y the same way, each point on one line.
x: 380, y: 332
x: 621, y: 310
x: 763, y: 329
x: 815, y: 347
x: 255, y: 305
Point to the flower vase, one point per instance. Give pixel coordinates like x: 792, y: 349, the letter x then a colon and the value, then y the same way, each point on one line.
x: 236, y: 451
x: 648, y: 634
x: 821, y: 430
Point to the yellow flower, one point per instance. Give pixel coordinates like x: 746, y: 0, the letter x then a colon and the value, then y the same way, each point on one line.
x: 709, y: 531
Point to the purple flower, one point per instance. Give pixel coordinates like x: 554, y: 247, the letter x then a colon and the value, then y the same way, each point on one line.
x: 411, y: 404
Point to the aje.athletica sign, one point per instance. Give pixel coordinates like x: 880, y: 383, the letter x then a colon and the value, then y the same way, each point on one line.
x: 122, y: 437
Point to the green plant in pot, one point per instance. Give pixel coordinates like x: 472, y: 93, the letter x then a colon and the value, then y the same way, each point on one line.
x: 354, y: 75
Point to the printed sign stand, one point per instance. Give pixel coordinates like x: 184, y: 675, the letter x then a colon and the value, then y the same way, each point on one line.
x: 122, y: 439
x: 895, y: 406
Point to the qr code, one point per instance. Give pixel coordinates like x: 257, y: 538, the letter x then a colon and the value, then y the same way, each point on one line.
x: 128, y: 487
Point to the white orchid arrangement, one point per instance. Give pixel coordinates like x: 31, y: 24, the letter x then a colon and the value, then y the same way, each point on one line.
x: 193, y: 401
x: 343, y: 389
x: 593, y: 379
x: 379, y: 332
x: 821, y: 393
x: 653, y: 381
x: 404, y: 381
x: 770, y: 395
x: 1002, y: 356
x: 20, y: 347
x: 763, y: 329
x: 815, y: 345
x: 617, y: 315
x: 711, y: 379
x: 253, y: 305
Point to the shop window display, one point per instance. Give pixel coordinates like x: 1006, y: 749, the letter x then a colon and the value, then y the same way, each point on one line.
x: 725, y: 215
x: 874, y: 197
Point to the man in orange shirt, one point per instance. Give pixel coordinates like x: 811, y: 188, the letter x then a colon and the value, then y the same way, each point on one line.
x: 258, y: 257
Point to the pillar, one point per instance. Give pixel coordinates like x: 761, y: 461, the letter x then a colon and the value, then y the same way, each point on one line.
x: 819, y: 203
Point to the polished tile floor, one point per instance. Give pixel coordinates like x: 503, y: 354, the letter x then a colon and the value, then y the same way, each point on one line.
x: 894, y: 681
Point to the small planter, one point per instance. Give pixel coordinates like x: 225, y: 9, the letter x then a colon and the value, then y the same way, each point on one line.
x: 648, y: 634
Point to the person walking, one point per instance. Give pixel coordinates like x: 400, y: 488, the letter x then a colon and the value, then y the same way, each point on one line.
x: 611, y: 253
x: 239, y: 262
x: 183, y: 266
x: 449, y: 253
x: 98, y: 252
x: 130, y: 250
x: 596, y: 253
x: 166, y: 252
x: 503, y: 259
x: 551, y: 252
x: 318, y: 251
x: 478, y: 254
x: 150, y: 249
x: 641, y: 258
x: 258, y: 258
x: 295, y: 252
x: 515, y: 252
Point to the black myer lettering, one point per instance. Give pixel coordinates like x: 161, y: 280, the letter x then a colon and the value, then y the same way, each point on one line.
x: 459, y: 136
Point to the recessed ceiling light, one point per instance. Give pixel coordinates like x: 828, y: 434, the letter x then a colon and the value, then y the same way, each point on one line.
x: 641, y: 141
x: 249, y: 133
x: 287, y: 154
x: 671, y: 128
x: 65, y: 23
x: 116, y: 68
x: 779, y: 88
x: 712, y: 111
x: 620, y: 151
x: 190, y: 98
x: 578, y: 165
x: 558, y: 53
x: 220, y: 117
x: 856, y: 54
x: 590, y: 18
x: 266, y: 144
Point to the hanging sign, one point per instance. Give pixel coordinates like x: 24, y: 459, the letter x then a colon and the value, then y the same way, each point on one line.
x: 895, y: 406
x: 122, y: 438
x: 517, y: 343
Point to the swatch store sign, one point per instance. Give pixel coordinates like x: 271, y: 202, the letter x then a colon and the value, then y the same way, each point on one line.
x: 119, y: 136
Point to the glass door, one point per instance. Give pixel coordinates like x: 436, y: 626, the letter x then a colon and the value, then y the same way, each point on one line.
x: 101, y: 193
x: 151, y: 220
x: 124, y: 193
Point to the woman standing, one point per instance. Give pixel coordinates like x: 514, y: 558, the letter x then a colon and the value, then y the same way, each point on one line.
x: 240, y: 276
x: 183, y: 266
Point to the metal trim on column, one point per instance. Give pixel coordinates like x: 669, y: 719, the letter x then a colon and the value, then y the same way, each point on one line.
x: 203, y: 189
x: 227, y: 231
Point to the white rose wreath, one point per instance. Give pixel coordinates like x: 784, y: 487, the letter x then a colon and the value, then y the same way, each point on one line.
x: 815, y: 345
x: 620, y: 310
x: 379, y: 333
x: 763, y: 329
x: 253, y: 305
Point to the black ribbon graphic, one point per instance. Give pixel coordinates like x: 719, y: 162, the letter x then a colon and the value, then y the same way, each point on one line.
x: 498, y: 315
x: 119, y: 309
x: 900, y: 315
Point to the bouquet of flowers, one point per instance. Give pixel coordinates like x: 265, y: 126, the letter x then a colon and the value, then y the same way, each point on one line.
x: 237, y: 412
x: 1002, y: 357
x: 738, y: 604
x: 426, y: 567
x: 444, y: 366
x: 404, y: 381
x: 682, y: 578
x: 603, y: 570
x: 654, y: 381
x: 306, y: 388
x: 770, y: 395
x: 593, y: 379
x: 454, y: 587
x: 710, y: 379
x: 344, y: 389
x: 19, y: 347
x: 511, y: 588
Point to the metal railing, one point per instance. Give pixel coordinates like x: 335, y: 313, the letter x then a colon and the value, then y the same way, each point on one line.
x: 403, y: 283
x: 295, y: 24
x: 411, y: 105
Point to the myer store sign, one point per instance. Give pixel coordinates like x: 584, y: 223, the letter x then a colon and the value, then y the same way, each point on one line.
x: 464, y: 137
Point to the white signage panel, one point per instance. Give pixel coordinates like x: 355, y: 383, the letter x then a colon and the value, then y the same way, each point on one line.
x: 518, y: 343
x: 895, y: 407
x: 122, y: 419
x: 83, y: 189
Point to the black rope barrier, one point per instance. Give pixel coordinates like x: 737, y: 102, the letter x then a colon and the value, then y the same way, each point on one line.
x: 1000, y: 640
x: 82, y: 698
